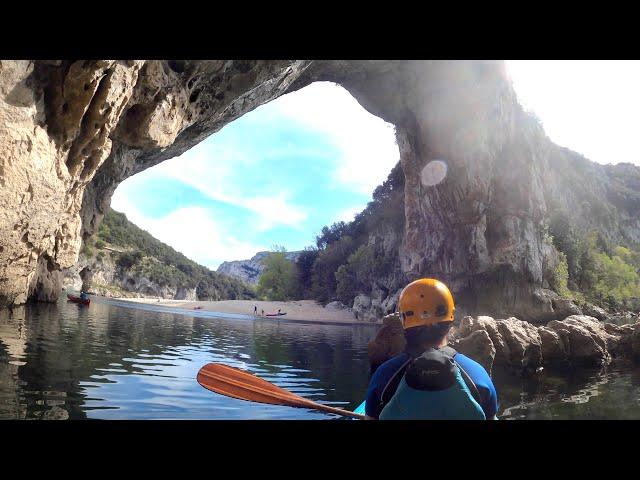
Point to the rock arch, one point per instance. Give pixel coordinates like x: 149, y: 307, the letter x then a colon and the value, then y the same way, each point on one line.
x: 71, y: 131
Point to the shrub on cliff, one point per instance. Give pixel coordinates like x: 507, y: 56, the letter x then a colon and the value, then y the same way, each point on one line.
x: 363, y: 268
x: 335, y: 273
x: 616, y: 282
x: 126, y: 260
x: 591, y: 268
x: 559, y: 281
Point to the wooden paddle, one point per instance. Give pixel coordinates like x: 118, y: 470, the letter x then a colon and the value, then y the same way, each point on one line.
x: 236, y: 383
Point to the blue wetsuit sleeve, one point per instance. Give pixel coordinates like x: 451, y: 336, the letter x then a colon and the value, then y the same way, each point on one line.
x: 379, y: 381
x: 482, y: 380
x: 371, y: 407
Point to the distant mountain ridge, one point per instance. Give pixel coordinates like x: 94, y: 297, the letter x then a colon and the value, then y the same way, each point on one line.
x: 249, y: 271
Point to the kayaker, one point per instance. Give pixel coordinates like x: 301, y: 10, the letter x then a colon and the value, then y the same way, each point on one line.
x: 429, y: 380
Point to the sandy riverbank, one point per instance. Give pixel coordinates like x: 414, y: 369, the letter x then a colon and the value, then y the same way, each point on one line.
x: 305, y: 310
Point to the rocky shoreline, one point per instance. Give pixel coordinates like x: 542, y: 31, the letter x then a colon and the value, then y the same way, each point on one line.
x: 576, y: 341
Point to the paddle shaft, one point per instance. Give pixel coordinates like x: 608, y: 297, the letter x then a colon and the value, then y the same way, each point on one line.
x: 221, y: 382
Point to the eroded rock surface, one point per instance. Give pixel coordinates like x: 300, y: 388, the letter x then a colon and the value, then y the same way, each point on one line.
x: 578, y: 341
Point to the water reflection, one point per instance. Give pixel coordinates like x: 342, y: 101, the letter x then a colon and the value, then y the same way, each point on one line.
x: 110, y: 362
x: 604, y: 394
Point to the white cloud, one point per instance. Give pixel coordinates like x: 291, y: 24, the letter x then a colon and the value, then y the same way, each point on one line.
x: 588, y: 106
x: 193, y: 232
x: 212, y: 171
x: 347, y: 214
x: 366, y: 142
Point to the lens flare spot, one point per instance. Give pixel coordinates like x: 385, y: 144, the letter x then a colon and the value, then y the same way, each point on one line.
x: 433, y: 173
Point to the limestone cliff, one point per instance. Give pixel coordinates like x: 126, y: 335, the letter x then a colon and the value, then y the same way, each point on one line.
x: 249, y: 271
x: 109, y: 280
x: 71, y: 131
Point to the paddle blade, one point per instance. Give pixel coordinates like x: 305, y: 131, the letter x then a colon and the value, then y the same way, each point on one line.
x: 237, y: 383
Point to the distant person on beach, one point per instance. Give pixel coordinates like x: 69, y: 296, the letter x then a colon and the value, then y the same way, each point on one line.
x: 255, y: 309
x: 263, y: 312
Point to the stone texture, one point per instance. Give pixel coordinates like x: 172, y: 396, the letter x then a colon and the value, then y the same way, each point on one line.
x: 523, y: 344
x: 595, y: 311
x: 553, y: 349
x: 105, y: 278
x: 584, y: 338
x: 479, y: 347
x: 362, y: 307
x: 578, y: 340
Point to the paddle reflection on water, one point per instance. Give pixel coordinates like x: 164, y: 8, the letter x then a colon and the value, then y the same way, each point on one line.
x: 110, y: 362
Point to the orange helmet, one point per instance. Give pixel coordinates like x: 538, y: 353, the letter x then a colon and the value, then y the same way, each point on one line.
x: 425, y: 302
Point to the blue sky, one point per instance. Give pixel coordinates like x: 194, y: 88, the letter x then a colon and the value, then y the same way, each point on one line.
x: 280, y: 173
x: 277, y: 175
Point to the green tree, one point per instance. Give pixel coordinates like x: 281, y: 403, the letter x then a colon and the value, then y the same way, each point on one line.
x: 616, y: 282
x: 327, y: 264
x: 304, y: 270
x: 278, y: 280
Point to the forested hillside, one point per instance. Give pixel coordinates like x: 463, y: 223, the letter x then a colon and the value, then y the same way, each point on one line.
x: 137, y: 254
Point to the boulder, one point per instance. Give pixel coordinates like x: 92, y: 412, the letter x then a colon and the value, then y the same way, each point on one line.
x: 564, y: 307
x: 595, y: 311
x: 361, y: 307
x: 585, y: 340
x: 578, y: 340
x: 553, y: 349
x: 523, y: 344
x: 388, y: 342
x: 390, y: 304
x: 479, y: 347
x: 336, y: 305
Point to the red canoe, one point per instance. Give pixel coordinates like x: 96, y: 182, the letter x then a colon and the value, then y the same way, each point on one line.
x: 75, y: 299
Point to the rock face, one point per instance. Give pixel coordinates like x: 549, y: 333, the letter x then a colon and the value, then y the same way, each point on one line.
x: 104, y: 278
x: 249, y: 271
x: 71, y: 131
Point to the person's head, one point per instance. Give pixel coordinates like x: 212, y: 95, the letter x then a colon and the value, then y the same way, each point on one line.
x: 427, y: 310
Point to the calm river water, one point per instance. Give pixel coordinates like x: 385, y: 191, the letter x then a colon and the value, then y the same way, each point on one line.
x: 109, y: 361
